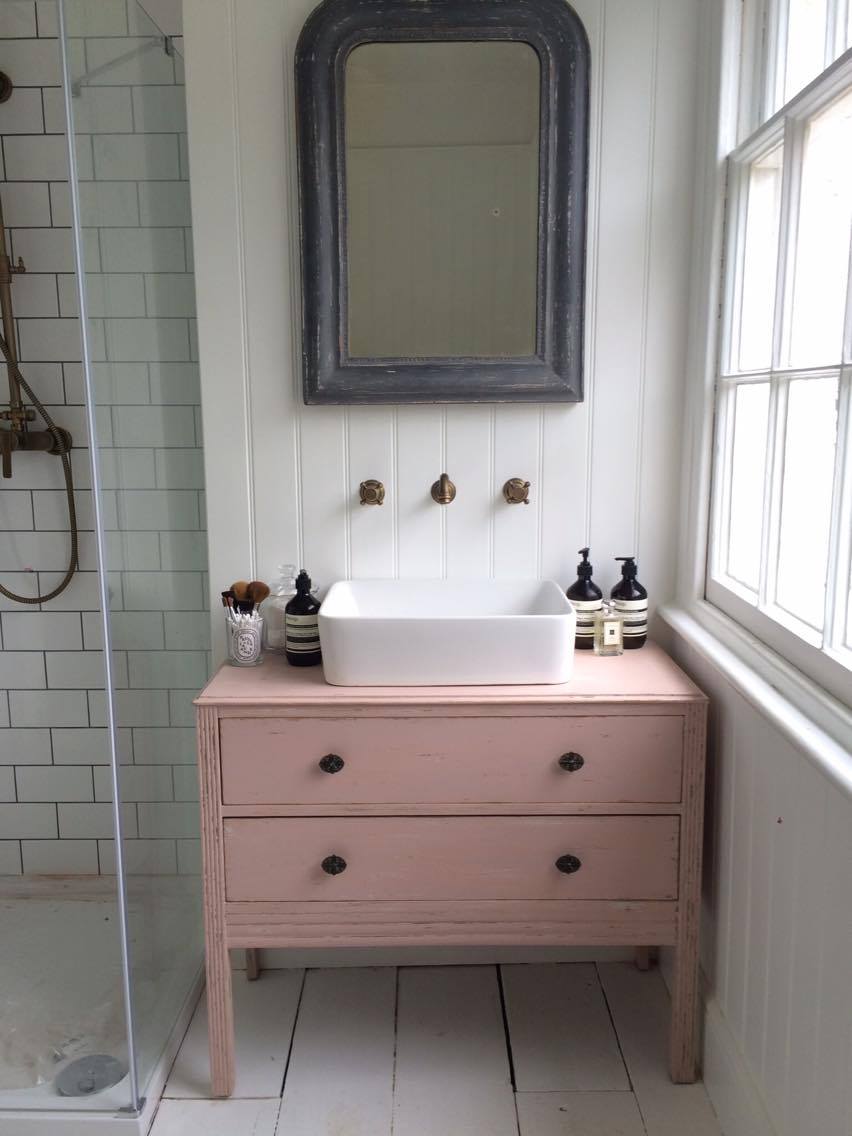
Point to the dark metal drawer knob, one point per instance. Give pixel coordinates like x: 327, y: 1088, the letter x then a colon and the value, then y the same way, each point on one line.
x: 569, y: 864
x: 334, y: 865
x: 571, y: 762
x: 331, y: 763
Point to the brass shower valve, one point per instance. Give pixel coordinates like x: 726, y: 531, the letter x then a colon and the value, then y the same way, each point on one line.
x: 516, y: 491
x: 372, y: 492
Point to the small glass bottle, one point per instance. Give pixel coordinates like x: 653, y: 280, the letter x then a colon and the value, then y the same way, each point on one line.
x: 609, y: 631
x: 302, y: 625
x: 273, y: 607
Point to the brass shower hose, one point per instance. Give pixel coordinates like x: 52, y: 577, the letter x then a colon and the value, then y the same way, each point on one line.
x: 62, y: 450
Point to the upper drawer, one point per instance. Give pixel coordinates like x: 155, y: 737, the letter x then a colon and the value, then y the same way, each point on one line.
x: 270, y: 761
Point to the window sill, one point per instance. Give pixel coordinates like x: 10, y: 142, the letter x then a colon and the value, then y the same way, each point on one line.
x: 816, y: 723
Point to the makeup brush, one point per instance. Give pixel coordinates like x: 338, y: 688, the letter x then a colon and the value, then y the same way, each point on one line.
x: 257, y: 592
x: 240, y: 590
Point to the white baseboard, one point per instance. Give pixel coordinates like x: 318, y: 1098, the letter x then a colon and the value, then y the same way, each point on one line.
x: 727, y: 1079
x: 729, y: 1084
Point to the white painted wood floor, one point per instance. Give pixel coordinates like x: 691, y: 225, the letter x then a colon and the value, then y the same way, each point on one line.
x: 573, y: 1049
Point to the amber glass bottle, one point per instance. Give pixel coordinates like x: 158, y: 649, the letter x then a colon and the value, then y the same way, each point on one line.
x: 586, y: 598
x: 301, y: 626
x: 631, y: 600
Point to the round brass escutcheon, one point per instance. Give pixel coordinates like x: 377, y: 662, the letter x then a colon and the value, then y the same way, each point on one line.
x: 517, y: 491
x: 372, y: 492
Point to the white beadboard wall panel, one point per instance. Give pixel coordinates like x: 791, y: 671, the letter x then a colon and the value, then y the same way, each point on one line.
x: 518, y: 452
x: 777, y: 924
x: 420, y: 526
x: 371, y: 452
x: 467, y: 448
x: 601, y: 471
x: 622, y: 247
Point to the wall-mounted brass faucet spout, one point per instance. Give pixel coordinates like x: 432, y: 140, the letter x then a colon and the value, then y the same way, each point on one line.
x: 443, y: 490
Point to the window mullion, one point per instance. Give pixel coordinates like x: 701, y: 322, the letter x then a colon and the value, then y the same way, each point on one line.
x: 788, y: 228
x: 835, y: 29
x: 734, y: 265
x: 775, y: 48
x: 727, y: 433
x: 840, y: 538
x: 776, y: 430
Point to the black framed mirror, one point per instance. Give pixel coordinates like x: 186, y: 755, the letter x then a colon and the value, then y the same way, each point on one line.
x: 443, y: 157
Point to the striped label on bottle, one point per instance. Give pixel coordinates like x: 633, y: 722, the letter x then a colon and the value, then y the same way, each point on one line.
x: 302, y: 633
x: 635, y: 614
x: 586, y: 610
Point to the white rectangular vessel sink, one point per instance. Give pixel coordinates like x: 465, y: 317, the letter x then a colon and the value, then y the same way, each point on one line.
x: 446, y: 633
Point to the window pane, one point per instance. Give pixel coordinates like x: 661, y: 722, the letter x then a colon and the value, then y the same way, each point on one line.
x: 805, y: 44
x: 822, y: 246
x: 806, y: 498
x: 759, y: 261
x: 748, y: 465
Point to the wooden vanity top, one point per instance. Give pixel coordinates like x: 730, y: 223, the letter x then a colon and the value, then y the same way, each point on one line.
x: 646, y: 675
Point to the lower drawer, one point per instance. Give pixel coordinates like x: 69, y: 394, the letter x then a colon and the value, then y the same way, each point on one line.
x: 426, y: 858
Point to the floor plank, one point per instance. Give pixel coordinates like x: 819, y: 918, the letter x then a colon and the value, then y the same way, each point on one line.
x: 340, y: 1076
x: 640, y: 1008
x: 264, y: 1013
x: 216, y: 1118
x: 452, y: 1066
x: 560, y: 1028
x: 579, y: 1114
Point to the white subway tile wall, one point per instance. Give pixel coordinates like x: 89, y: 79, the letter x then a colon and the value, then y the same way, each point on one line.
x: 55, y: 784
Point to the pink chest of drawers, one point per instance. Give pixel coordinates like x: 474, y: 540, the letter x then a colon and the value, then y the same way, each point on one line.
x: 558, y: 815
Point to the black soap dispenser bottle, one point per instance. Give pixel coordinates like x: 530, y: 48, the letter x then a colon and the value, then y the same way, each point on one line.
x: 301, y: 626
x: 586, y: 598
x: 631, y: 600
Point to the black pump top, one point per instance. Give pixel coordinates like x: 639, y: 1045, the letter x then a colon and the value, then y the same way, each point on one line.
x: 303, y: 583
x: 628, y: 567
x: 584, y: 568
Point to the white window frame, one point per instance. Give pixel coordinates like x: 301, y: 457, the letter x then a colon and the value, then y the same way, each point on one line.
x: 804, y: 712
x: 824, y: 657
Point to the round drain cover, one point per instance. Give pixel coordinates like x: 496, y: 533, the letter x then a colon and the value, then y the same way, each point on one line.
x: 88, y: 1075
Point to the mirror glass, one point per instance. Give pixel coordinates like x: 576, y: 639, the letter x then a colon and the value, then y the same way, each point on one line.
x: 442, y: 184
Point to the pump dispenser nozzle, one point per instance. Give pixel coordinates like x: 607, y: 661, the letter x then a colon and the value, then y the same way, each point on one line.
x: 584, y: 568
x: 628, y: 566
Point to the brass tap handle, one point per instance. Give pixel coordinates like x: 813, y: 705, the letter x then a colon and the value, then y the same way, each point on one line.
x: 443, y: 490
x: 372, y: 492
x: 516, y: 490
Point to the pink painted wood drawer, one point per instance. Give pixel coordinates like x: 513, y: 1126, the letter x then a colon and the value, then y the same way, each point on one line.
x: 437, y: 858
x: 622, y: 759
